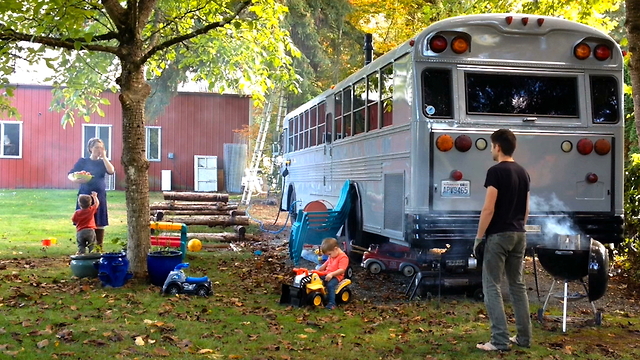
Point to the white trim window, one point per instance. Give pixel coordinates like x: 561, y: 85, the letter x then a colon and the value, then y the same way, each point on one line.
x: 90, y: 131
x: 153, y: 143
x: 11, y: 135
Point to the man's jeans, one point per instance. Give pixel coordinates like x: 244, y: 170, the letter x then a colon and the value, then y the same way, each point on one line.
x: 504, y: 253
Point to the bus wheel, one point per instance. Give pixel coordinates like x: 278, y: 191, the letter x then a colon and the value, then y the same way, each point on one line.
x: 293, y: 205
x: 353, y: 225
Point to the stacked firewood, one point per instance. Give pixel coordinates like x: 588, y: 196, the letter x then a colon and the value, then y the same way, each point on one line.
x: 210, y: 209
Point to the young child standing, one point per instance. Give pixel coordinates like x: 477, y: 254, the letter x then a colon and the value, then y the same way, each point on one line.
x: 84, y: 219
x: 335, y: 266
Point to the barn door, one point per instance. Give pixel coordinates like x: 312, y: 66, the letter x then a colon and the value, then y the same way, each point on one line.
x: 205, y: 173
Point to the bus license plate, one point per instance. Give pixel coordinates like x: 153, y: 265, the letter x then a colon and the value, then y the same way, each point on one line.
x: 454, y: 188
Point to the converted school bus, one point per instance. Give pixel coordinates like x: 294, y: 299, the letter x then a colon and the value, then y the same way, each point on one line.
x: 37, y: 152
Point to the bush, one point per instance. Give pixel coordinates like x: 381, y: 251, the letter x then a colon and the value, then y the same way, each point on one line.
x: 630, y: 261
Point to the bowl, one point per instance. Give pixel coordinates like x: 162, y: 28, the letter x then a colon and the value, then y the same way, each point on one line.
x: 82, y: 177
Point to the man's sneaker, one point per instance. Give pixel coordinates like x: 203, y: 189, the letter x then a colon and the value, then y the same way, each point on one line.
x: 514, y: 341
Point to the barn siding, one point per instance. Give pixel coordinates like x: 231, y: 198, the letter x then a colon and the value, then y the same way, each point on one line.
x: 192, y: 124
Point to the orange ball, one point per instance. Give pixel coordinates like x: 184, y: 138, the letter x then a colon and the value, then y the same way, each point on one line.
x: 194, y: 245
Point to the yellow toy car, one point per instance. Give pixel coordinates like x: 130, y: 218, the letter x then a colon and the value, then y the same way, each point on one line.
x: 308, y: 289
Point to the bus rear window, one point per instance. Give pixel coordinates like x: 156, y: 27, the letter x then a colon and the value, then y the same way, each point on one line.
x: 515, y: 94
x: 604, y: 98
x: 436, y: 93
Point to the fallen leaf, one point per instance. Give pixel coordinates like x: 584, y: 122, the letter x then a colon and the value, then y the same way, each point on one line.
x: 302, y: 336
x: 205, y: 351
x: 42, y: 343
x: 161, y: 352
x: 139, y: 341
x: 309, y: 330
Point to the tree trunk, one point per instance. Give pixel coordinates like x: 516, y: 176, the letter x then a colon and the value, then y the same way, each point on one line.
x: 633, y: 34
x: 134, y: 93
x: 194, y: 196
x: 212, y: 220
x: 200, y: 212
x: 187, y: 206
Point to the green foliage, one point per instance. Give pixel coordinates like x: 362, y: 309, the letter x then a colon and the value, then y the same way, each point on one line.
x: 631, y: 246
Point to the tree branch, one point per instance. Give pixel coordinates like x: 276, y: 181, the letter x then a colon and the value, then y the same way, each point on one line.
x: 145, y: 8
x: 67, y: 43
x: 116, y: 12
x: 203, y: 30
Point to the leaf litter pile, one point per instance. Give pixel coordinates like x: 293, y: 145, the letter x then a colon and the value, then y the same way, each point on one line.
x: 43, y: 309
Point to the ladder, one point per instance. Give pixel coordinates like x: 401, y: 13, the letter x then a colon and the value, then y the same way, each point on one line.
x: 251, y: 174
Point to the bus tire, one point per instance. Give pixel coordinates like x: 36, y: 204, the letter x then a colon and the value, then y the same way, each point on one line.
x: 292, y: 205
x: 353, y: 224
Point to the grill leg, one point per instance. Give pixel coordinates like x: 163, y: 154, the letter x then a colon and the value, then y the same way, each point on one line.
x: 564, y: 308
x: 546, y: 301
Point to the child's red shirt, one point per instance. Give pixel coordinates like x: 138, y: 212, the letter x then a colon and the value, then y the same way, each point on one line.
x: 85, y: 218
x: 339, y: 262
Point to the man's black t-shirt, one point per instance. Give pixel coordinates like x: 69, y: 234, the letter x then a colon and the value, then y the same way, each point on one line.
x: 512, y: 182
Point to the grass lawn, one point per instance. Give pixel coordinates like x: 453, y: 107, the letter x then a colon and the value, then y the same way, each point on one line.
x: 48, y: 314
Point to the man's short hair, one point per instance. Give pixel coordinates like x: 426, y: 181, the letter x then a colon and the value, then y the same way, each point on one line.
x: 506, y: 139
x: 84, y: 201
x: 328, y: 244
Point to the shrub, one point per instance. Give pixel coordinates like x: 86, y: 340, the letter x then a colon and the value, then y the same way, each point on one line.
x: 630, y: 261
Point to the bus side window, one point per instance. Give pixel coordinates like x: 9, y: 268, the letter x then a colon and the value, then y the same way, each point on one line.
x: 386, y: 85
x: 329, y: 121
x: 604, y: 97
x: 436, y: 93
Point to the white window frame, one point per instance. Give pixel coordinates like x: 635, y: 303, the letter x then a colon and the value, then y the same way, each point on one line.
x: 84, y: 152
x: 158, y: 156
x: 20, y: 140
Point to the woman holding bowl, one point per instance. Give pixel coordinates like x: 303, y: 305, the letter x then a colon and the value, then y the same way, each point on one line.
x: 98, y: 166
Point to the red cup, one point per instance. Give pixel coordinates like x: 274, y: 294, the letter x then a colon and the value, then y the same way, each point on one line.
x: 46, y: 242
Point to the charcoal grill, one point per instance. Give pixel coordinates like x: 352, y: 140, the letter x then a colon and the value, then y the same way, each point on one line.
x: 571, y: 261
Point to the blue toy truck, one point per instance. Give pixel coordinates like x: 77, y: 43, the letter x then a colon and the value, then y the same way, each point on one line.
x: 178, y: 283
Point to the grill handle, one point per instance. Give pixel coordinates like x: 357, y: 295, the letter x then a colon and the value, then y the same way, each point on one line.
x: 564, y: 252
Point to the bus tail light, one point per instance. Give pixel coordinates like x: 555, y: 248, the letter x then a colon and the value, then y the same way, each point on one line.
x: 602, y: 147
x: 591, y: 178
x: 582, y: 51
x: 459, y: 45
x: 525, y: 21
x: 444, y: 143
x: 585, y: 146
x: 456, y: 175
x: 540, y: 21
x: 509, y: 19
x: 602, y: 52
x: 463, y: 143
x: 438, y: 44
x: 566, y: 146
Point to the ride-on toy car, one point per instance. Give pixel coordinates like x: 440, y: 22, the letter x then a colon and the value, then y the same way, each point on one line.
x: 308, y: 289
x: 393, y: 257
x: 178, y: 283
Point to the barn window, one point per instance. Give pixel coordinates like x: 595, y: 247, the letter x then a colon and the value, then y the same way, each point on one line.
x: 11, y: 135
x: 153, y: 143
x: 90, y: 131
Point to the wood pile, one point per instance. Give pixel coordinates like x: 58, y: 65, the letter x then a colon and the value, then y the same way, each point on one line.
x: 210, y: 209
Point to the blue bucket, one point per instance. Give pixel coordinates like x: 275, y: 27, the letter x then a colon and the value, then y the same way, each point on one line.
x: 161, y: 263
x: 113, y: 269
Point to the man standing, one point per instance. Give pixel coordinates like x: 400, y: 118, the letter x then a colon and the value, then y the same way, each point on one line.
x: 502, y: 220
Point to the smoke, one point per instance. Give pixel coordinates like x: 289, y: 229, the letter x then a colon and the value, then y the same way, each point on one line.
x: 555, y: 223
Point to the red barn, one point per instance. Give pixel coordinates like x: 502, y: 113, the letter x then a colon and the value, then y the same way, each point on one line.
x: 185, y: 144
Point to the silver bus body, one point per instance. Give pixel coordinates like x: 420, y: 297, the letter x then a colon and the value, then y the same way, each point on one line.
x: 405, y: 188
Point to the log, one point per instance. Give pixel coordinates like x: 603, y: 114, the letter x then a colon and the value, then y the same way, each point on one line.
x: 200, y: 212
x: 211, y: 220
x: 219, y: 237
x: 195, y: 196
x: 170, y: 205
